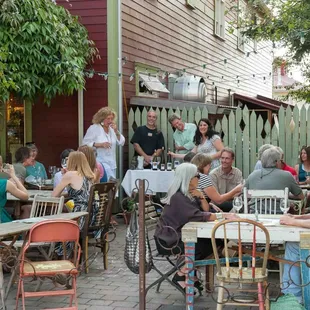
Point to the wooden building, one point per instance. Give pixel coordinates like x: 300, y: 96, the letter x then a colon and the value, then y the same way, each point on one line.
x: 165, y: 44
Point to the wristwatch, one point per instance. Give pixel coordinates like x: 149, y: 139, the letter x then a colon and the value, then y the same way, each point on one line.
x: 219, y: 216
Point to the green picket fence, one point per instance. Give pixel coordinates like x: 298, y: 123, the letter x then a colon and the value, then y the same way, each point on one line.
x: 244, y: 131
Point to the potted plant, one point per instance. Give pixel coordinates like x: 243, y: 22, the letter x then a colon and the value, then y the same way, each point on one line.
x: 128, y: 206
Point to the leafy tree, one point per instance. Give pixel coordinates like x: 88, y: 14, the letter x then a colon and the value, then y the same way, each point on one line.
x: 47, y: 50
x: 287, y: 22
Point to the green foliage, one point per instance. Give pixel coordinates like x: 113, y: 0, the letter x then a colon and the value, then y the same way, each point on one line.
x: 47, y: 49
x: 290, y: 25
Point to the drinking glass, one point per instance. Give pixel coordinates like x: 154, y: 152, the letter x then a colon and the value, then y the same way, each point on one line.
x: 39, y: 182
x: 284, y: 206
x: 237, y: 204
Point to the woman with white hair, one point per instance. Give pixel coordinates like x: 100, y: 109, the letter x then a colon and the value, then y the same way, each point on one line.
x: 260, y: 152
x: 183, y: 206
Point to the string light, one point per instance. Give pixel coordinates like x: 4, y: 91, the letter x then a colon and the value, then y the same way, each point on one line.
x: 225, y: 64
x: 164, y: 74
x: 105, y: 76
x: 302, y: 38
x: 264, y: 79
x: 131, y: 77
x: 254, y: 76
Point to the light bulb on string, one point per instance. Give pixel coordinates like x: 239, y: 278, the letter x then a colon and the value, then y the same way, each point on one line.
x: 213, y: 85
x: 247, y: 56
x: 237, y: 80
x: 253, y: 76
x: 222, y: 78
x: 164, y: 74
x: 105, y: 76
x: 131, y: 77
x: 264, y: 79
x: 225, y: 64
x: 270, y: 75
x: 204, y: 68
x: 302, y: 38
x: 119, y: 78
x: 238, y: 83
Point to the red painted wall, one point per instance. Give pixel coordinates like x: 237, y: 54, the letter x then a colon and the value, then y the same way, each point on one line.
x: 55, y: 128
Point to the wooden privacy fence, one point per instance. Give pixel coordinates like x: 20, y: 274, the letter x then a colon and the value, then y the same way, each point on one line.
x: 242, y: 130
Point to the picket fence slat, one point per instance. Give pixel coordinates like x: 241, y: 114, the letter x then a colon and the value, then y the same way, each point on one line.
x: 242, y: 130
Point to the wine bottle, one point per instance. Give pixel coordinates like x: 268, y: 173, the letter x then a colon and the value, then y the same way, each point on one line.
x: 162, y: 159
x: 154, y: 161
x: 169, y: 161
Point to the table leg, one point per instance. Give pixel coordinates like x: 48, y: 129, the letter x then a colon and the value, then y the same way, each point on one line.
x: 190, y: 264
x: 1, y: 286
x: 305, y: 276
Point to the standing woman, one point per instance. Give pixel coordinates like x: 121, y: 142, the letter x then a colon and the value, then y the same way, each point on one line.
x: 207, y: 141
x: 303, y: 168
x: 104, y: 136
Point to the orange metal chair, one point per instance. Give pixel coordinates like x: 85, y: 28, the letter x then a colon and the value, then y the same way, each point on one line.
x: 51, y: 231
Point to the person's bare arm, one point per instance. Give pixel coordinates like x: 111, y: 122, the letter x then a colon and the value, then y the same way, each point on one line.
x: 292, y: 221
x: 218, y: 144
x: 139, y: 150
x: 15, y: 186
x: 213, y: 194
x: 66, y: 180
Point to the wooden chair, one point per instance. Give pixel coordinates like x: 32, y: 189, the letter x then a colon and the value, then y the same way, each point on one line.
x: 100, y: 204
x: 51, y: 231
x: 264, y: 201
x: 250, y: 275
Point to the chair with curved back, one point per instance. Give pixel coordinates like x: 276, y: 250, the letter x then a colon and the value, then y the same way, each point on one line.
x: 51, y: 231
x: 100, y: 204
x: 241, y: 275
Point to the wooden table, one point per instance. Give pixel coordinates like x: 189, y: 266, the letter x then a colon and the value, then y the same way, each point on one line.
x: 48, y: 187
x: 278, y: 234
x: 16, y: 228
x: 19, y: 203
x: 158, y: 181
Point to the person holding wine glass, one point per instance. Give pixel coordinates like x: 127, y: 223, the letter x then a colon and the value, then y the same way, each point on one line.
x: 205, y: 185
x: 272, y: 177
x: 104, y: 136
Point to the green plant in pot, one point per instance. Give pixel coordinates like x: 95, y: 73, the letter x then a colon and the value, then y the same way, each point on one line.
x: 128, y: 205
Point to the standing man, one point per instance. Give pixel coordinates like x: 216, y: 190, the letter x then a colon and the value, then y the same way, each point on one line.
x: 226, y: 177
x: 183, y: 135
x: 147, y: 140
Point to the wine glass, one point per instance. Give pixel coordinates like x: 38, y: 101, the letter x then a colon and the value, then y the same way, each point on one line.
x: 52, y: 170
x: 39, y: 182
x: 237, y: 204
x: 284, y: 206
x: 64, y: 163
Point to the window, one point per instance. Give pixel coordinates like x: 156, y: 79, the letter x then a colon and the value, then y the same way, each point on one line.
x: 148, y: 82
x: 240, y: 24
x: 219, y: 18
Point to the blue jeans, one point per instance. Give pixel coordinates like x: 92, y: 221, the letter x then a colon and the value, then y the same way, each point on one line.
x: 292, y: 254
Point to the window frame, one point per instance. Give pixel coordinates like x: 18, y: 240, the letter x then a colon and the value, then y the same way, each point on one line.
x: 219, y: 19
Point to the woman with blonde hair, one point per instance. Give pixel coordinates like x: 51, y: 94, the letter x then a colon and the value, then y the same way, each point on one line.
x: 203, y: 163
x: 104, y: 136
x: 78, y: 180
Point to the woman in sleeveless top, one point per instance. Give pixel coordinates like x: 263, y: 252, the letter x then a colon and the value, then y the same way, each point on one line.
x: 78, y: 180
x: 13, y: 186
x: 207, y: 141
x: 303, y: 168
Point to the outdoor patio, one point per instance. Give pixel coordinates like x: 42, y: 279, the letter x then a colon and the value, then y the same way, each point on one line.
x: 115, y: 288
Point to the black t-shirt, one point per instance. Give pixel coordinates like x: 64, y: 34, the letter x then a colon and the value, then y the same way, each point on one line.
x: 148, y: 139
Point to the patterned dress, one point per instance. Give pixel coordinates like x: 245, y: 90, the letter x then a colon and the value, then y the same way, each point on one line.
x: 80, y: 198
x: 208, y: 148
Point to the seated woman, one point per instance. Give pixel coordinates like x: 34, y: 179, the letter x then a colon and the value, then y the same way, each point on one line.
x: 303, y: 168
x: 203, y: 163
x: 23, y: 159
x: 36, y: 169
x: 183, y: 206
x: 91, y: 158
x: 16, y: 188
x: 78, y: 180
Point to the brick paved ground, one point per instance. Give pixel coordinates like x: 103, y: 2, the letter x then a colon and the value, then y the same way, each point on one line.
x: 115, y: 288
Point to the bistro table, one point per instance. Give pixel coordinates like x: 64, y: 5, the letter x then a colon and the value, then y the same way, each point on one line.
x: 16, y: 228
x: 158, y: 181
x: 19, y: 203
x: 279, y: 234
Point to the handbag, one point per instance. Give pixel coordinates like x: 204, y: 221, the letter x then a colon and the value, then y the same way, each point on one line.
x: 131, y: 255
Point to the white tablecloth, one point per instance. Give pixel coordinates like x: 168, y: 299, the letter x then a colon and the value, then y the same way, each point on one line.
x: 159, y: 181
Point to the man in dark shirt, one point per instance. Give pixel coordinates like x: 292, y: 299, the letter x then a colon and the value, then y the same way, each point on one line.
x: 147, y: 140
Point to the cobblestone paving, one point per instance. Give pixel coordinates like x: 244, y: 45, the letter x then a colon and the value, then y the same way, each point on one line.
x: 115, y: 288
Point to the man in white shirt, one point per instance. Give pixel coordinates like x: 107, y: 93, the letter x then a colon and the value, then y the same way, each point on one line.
x: 183, y: 135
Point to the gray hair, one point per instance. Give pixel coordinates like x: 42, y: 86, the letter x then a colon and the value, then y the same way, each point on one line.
x: 270, y: 157
x: 173, y: 117
x: 281, y: 151
x: 182, y: 177
x: 262, y: 149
